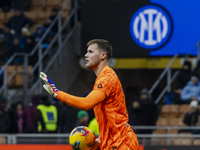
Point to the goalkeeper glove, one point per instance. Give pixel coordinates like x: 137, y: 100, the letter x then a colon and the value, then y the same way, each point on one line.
x: 49, y: 85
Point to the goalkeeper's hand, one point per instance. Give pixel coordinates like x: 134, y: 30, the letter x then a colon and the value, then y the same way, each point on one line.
x: 97, y: 144
x: 49, y: 85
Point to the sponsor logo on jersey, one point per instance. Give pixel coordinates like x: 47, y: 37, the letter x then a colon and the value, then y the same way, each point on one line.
x: 100, y: 86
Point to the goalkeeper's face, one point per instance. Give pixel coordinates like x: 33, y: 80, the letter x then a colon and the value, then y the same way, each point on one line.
x: 93, y: 56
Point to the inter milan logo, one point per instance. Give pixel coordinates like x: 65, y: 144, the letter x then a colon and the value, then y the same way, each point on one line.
x: 150, y: 27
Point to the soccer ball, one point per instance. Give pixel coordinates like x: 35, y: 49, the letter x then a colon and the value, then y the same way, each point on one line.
x: 82, y: 138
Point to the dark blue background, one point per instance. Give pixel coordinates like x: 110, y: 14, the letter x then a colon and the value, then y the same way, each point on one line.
x: 111, y: 19
x: 185, y: 15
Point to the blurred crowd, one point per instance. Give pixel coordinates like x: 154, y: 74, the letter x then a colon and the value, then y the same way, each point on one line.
x: 187, y: 87
x: 42, y: 115
x: 186, y: 91
x: 9, y: 5
x: 15, y: 35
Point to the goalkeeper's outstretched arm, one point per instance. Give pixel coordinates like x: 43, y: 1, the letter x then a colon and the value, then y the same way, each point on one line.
x: 83, y: 103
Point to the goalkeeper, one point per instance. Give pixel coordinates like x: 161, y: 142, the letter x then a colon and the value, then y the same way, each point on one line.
x: 107, y: 100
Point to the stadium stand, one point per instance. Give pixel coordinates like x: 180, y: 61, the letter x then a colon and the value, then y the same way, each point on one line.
x: 196, y: 142
x: 170, y: 115
x: 181, y: 141
x: 2, y: 140
x: 18, y: 79
x: 39, y: 12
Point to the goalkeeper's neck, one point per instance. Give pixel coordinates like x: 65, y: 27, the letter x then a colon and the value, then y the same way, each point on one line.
x: 97, y: 69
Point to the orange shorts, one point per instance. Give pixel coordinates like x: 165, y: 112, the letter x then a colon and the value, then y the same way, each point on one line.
x: 130, y: 143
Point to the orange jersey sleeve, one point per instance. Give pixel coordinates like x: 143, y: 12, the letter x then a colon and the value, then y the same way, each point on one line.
x: 84, y: 103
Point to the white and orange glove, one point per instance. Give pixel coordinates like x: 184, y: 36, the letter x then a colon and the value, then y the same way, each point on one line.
x: 49, y: 85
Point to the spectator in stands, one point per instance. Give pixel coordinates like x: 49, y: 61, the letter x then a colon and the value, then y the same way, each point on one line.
x: 1, y: 78
x: 192, y: 115
x: 24, y: 35
x: 47, y: 116
x: 20, y: 121
x: 22, y: 4
x: 143, y: 111
x: 196, y: 71
x: 3, y: 49
x: 182, y: 80
x: 50, y: 19
x: 59, y: 106
x: 17, y: 22
x: 5, y: 121
x: 14, y: 48
x: 191, y: 91
x: 39, y: 33
x: 28, y: 47
x: 3, y: 102
x: 184, y: 75
x: 82, y: 118
x: 5, y: 5
x: 14, y: 118
x: 30, y: 115
x: 69, y: 120
x: 30, y: 44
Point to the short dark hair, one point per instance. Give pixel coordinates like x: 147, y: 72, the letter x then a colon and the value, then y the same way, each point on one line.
x: 102, y: 44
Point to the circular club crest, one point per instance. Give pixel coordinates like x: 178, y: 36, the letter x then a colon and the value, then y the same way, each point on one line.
x: 150, y: 27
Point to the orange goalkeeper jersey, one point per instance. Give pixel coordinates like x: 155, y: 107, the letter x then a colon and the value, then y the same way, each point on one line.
x: 108, y: 101
x: 111, y: 114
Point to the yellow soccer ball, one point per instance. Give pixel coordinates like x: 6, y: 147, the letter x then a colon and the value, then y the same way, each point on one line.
x: 82, y: 138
